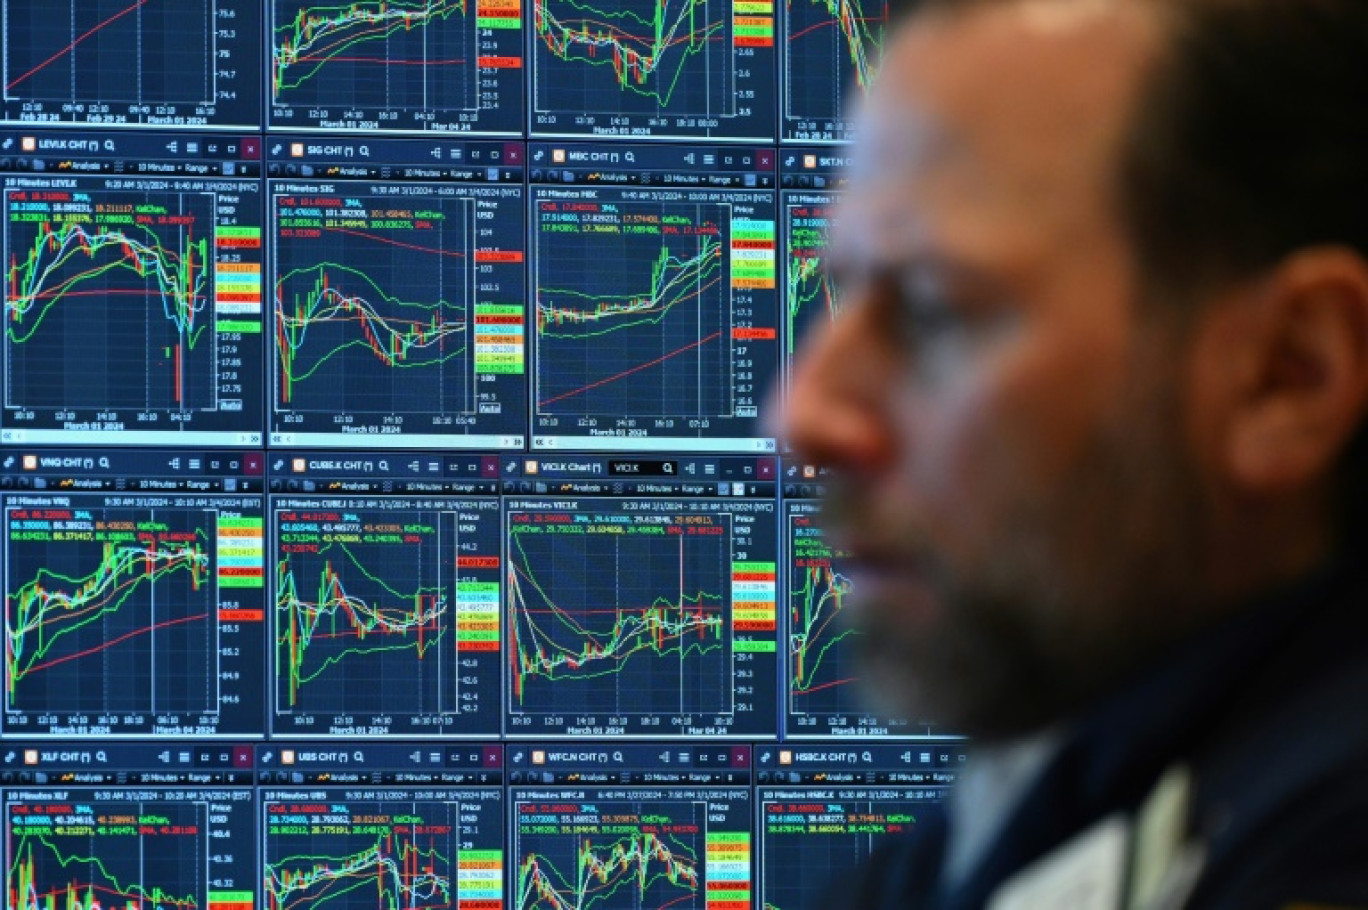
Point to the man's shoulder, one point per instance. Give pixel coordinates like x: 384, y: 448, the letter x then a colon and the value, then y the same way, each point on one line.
x: 1269, y: 715
x: 1282, y: 796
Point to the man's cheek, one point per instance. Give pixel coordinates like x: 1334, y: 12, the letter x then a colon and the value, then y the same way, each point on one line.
x: 966, y: 462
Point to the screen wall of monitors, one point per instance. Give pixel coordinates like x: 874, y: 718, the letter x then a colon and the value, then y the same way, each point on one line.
x: 388, y: 484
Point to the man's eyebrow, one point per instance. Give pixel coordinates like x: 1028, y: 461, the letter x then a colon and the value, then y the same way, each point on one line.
x: 929, y: 264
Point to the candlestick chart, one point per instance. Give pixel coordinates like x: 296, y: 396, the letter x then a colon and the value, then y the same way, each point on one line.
x: 669, y: 67
x: 832, y: 51
x: 109, y: 300
x: 111, y: 610
x: 381, y: 59
x: 366, y: 598
x: 623, y: 854
x: 148, y: 855
x: 372, y: 306
x: 810, y: 296
x: 648, y: 339
x: 619, y: 615
x: 388, y: 854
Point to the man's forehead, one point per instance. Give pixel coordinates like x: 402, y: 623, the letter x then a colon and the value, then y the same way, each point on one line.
x: 1005, y: 109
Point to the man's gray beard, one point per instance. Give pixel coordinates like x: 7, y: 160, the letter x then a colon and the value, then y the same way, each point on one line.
x: 1080, y: 591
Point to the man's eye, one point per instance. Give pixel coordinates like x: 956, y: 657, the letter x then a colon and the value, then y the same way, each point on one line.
x: 923, y: 316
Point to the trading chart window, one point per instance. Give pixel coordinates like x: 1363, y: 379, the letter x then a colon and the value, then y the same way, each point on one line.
x: 631, y: 826
x: 386, y: 588
x: 676, y: 346
x: 821, y: 812
x: 124, y: 63
x: 406, y: 65
x: 810, y: 183
x: 133, y: 593
x: 133, y: 291
x: 397, y: 291
x: 365, y: 826
x: 823, y: 696
x: 640, y: 607
x: 119, y: 825
x: 832, y: 49
x: 665, y: 69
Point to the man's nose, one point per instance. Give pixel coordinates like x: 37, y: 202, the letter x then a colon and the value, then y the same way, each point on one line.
x: 837, y: 413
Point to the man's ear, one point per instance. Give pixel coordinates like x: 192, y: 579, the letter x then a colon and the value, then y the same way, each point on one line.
x: 1304, y: 388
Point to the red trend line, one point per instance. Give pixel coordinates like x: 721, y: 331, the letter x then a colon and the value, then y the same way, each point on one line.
x: 594, y: 385
x: 828, y: 685
x: 412, y: 246
x: 72, y: 46
x: 812, y: 28
x: 827, y: 23
x: 122, y: 638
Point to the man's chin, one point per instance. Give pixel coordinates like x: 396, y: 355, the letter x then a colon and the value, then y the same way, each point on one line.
x: 947, y: 665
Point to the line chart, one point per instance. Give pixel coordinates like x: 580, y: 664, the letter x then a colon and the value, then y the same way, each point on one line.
x: 417, y: 336
x: 832, y: 51
x: 406, y: 874
x: 823, y: 694
x: 352, y: 616
x: 590, y: 636
x: 412, y: 621
x: 647, y: 54
x: 822, y: 668
x: 362, y: 604
x: 111, y: 610
x: 672, y: 67
x: 129, y: 854
x: 672, y: 344
x: 109, y: 301
x: 140, y: 51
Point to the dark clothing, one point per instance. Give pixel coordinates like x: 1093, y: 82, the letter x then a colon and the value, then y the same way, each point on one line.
x: 1270, y: 711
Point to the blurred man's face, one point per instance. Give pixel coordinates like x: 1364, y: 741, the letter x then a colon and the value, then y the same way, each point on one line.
x: 1002, y: 409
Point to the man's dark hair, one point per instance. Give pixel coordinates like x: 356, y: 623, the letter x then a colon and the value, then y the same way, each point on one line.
x: 1249, y: 141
